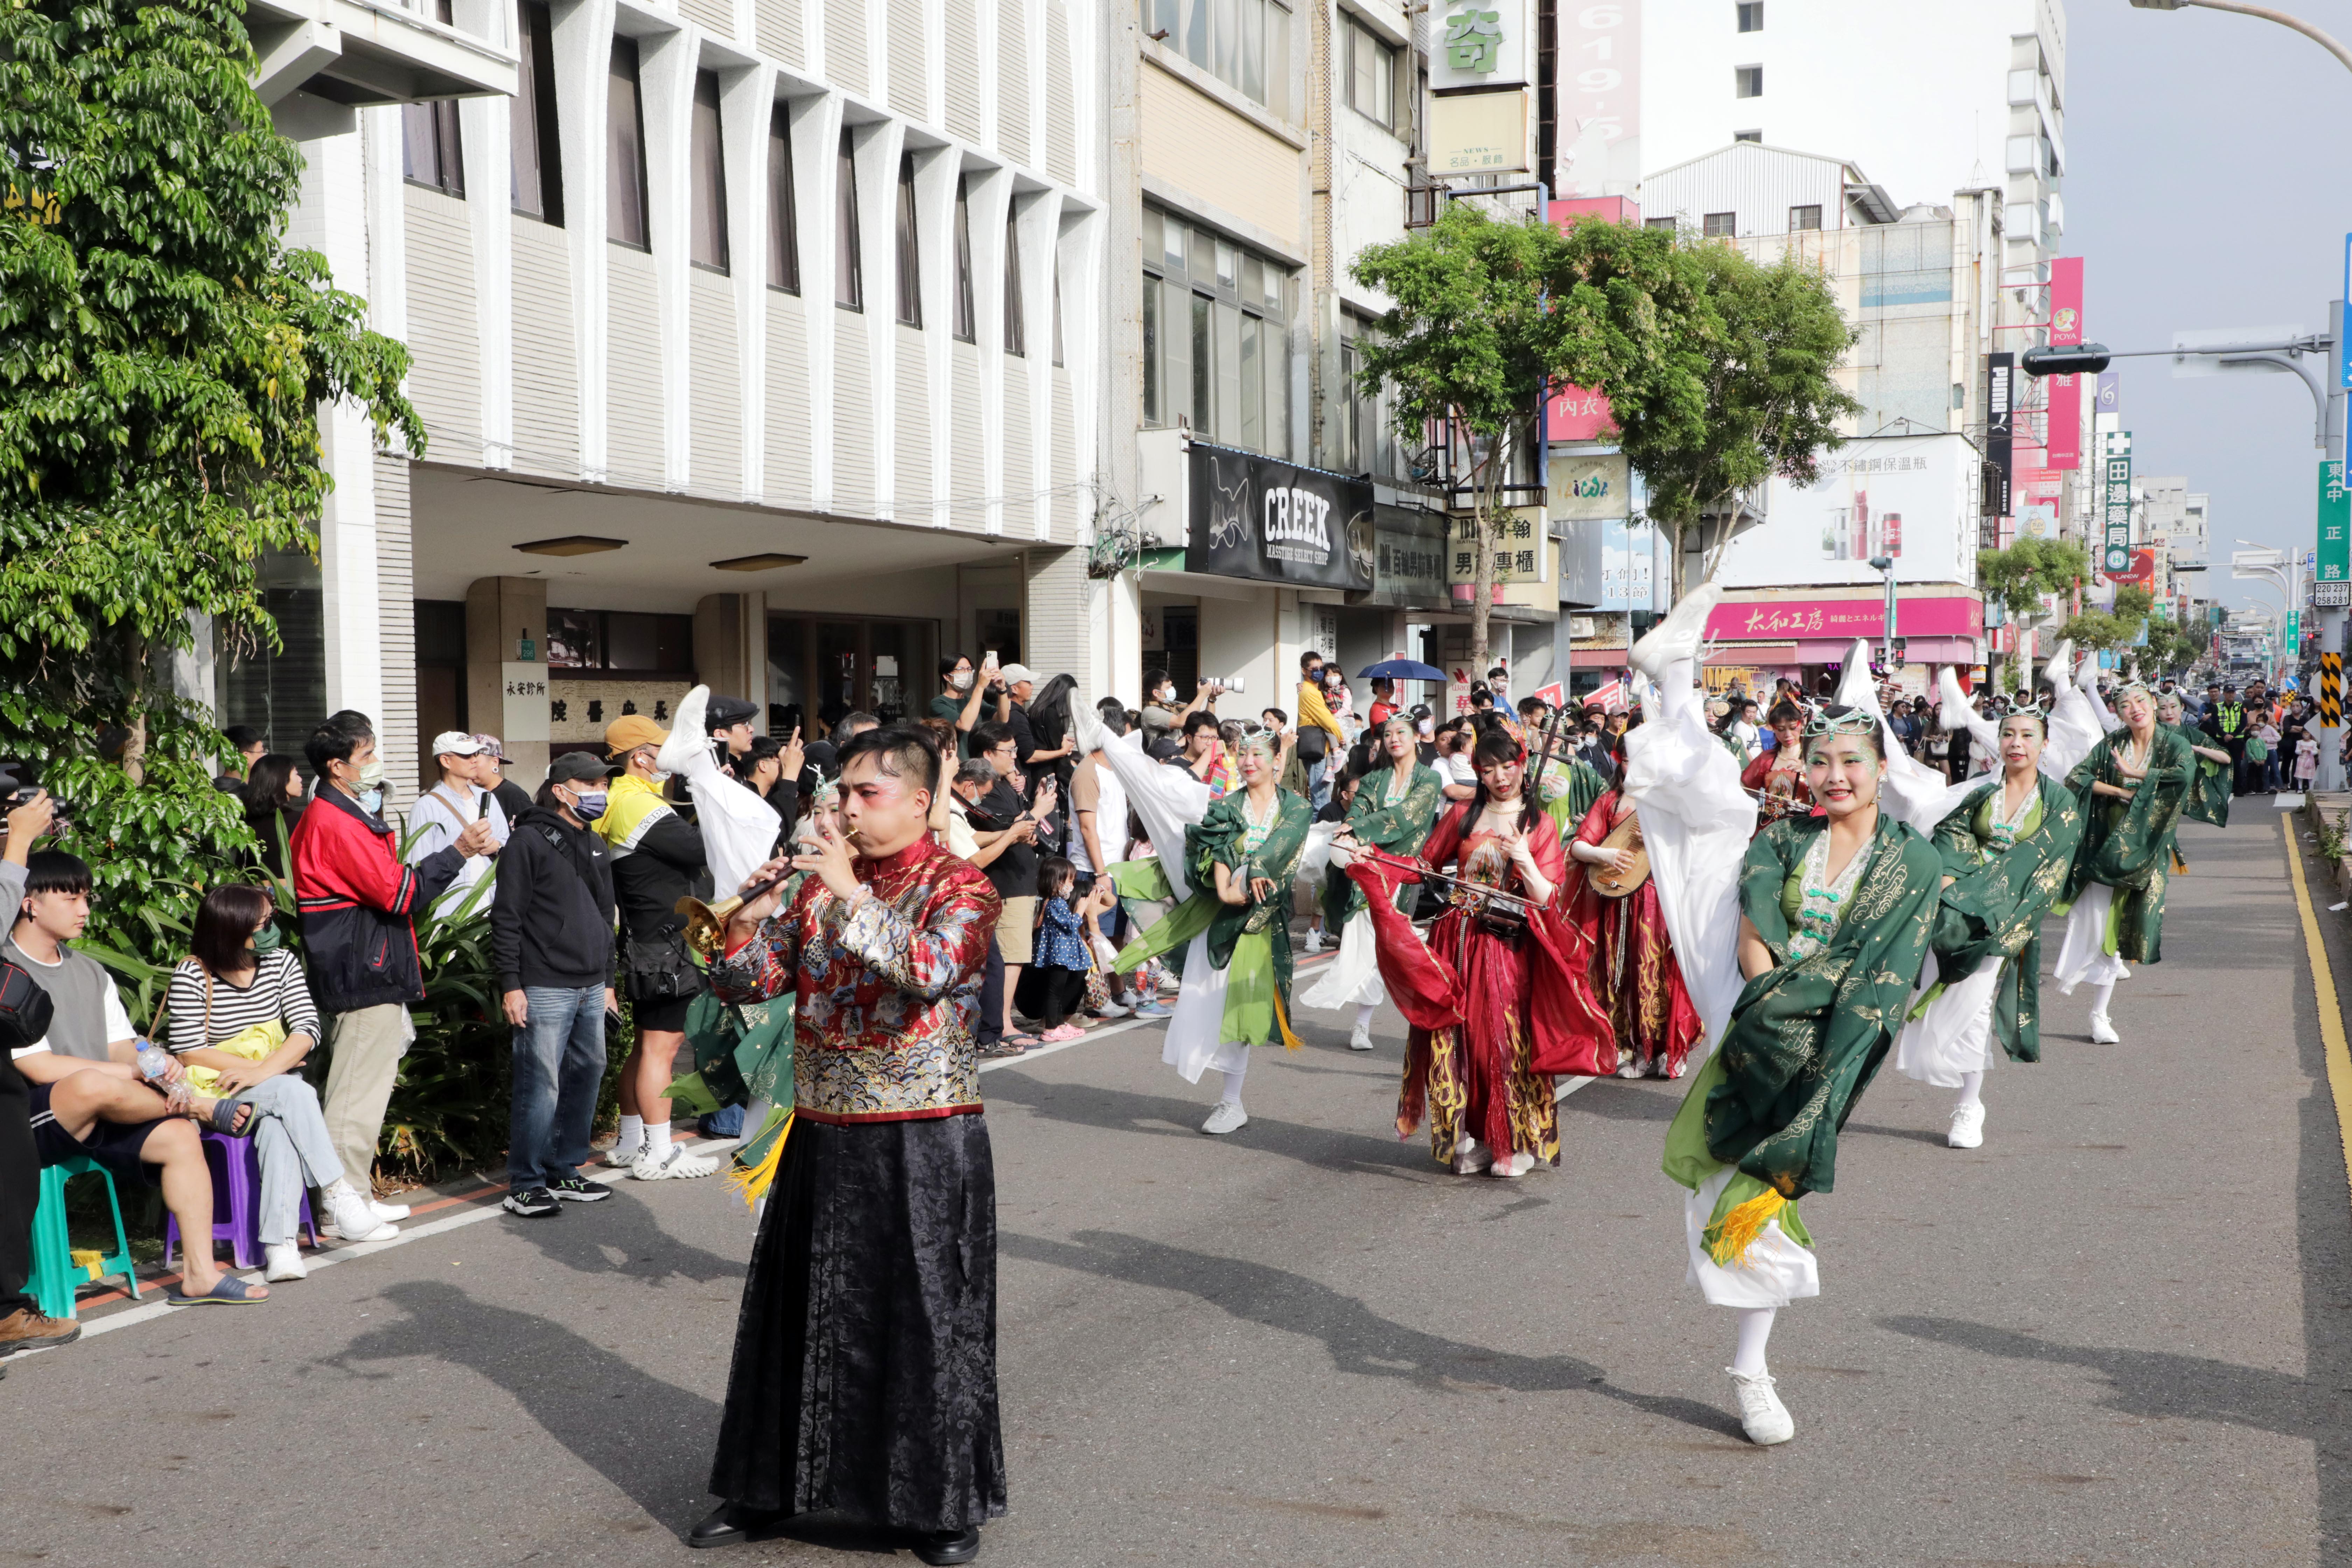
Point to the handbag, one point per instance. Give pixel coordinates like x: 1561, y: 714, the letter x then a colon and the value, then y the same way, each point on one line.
x: 660, y: 970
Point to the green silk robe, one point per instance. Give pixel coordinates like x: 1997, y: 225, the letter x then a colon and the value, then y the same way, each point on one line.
x: 2209, y: 791
x: 1400, y: 829
x: 1998, y: 899
x: 2127, y: 844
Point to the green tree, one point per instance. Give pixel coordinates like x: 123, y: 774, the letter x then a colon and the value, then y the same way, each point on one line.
x: 1489, y: 315
x: 1765, y: 353
x: 163, y: 358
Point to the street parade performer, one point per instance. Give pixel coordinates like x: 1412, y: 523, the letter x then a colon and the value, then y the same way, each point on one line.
x: 1493, y: 997
x: 2131, y: 788
x: 1231, y: 862
x: 2007, y: 848
x: 2208, y: 794
x: 864, y: 1370
x: 1824, y: 927
x: 1631, y: 966
x: 1777, y: 778
x: 1395, y: 805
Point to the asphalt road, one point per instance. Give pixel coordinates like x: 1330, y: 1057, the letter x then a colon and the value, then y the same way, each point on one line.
x: 2120, y: 1334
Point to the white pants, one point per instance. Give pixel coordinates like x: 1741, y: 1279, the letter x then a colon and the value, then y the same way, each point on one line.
x: 2082, y: 955
x: 1775, y: 1271
x: 1953, y: 1037
x: 1353, y: 978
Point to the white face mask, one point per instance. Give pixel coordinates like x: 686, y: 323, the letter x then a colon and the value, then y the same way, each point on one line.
x: 1166, y: 694
x: 960, y: 680
x: 1427, y: 727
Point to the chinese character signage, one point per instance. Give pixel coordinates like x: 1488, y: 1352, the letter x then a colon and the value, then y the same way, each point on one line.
x: 2334, y: 525
x: 1277, y: 522
x: 1601, y: 98
x: 1480, y: 132
x: 523, y: 703
x: 2065, y: 435
x: 1480, y: 43
x: 2115, y: 505
x: 1523, y: 559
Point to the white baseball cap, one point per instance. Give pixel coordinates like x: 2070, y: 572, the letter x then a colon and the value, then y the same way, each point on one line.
x: 456, y: 743
x: 1015, y: 674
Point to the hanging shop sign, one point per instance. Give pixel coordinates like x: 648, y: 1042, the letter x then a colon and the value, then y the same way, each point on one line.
x: 1277, y: 522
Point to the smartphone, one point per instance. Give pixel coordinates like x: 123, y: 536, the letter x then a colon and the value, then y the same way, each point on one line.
x: 485, y: 815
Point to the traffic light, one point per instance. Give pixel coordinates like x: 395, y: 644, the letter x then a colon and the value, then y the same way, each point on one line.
x: 2082, y: 359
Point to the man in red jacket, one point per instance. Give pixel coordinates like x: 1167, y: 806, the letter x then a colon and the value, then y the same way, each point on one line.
x: 357, y: 902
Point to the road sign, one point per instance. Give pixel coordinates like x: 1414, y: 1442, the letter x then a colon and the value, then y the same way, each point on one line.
x: 2330, y: 595
x: 2115, y: 554
x: 2335, y: 524
x: 2331, y: 690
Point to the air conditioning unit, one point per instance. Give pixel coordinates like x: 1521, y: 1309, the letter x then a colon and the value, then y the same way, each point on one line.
x: 1582, y: 626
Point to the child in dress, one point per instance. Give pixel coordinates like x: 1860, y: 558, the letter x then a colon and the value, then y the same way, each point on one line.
x: 2306, y: 761
x: 1053, y: 989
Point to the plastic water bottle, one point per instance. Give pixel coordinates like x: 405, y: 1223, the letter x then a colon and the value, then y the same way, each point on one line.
x: 154, y: 1062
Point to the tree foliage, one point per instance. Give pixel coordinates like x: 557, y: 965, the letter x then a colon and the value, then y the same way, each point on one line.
x: 1765, y: 347
x: 163, y: 358
x: 2019, y: 575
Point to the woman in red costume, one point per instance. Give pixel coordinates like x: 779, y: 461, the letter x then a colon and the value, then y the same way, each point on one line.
x: 1496, y: 1011
x: 1632, y: 973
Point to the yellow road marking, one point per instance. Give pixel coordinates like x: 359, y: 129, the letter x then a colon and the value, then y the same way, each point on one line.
x: 2331, y: 1015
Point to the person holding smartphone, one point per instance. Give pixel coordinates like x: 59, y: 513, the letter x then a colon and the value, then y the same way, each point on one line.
x: 1003, y: 816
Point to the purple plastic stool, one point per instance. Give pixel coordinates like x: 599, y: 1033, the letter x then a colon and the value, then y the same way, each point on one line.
x: 236, y: 1182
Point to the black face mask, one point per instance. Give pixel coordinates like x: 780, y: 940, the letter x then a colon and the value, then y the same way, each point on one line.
x: 24, y: 1008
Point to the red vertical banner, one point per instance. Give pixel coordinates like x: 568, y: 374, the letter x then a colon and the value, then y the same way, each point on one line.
x: 2066, y: 415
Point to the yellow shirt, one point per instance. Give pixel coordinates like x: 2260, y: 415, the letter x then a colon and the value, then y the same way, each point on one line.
x: 1313, y: 709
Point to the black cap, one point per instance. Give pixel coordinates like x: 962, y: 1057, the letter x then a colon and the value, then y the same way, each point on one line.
x: 725, y: 712
x: 573, y: 766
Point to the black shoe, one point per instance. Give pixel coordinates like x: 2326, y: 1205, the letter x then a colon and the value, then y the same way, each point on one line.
x: 728, y: 1524
x: 948, y: 1546
x: 538, y: 1203
x: 578, y: 1189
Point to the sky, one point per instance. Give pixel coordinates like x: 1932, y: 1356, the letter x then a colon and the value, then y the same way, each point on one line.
x: 2202, y: 191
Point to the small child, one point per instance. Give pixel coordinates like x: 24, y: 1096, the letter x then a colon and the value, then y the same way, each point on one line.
x: 1054, y: 987
x: 2306, y: 761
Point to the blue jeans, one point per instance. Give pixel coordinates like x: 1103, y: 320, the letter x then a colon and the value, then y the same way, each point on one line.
x: 559, y: 1066
x: 1317, y: 772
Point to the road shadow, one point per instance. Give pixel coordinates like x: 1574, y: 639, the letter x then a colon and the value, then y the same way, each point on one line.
x: 1912, y: 1135
x: 650, y: 1440
x: 1615, y: 1099
x: 1358, y: 1340
x: 579, y: 1238
x: 1165, y: 1116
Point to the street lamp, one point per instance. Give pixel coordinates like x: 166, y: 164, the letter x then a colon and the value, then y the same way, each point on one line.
x: 1885, y: 564
x: 2265, y: 12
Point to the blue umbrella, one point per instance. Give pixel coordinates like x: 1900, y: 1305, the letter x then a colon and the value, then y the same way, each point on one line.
x: 1400, y: 670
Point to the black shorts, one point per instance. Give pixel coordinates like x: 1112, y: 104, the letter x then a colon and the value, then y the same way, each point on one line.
x: 113, y: 1144
x: 668, y: 1015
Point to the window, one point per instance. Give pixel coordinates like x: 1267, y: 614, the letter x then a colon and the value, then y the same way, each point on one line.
x: 1348, y: 454
x: 848, y: 272
x: 967, y: 324
x: 624, y: 150
x: 1664, y: 223
x: 911, y: 255
x: 1017, y: 322
x: 1720, y: 225
x: 1805, y: 217
x: 537, y: 166
x: 1215, y: 324
x: 1748, y: 136
x: 1748, y: 81
x: 1371, y: 73
x: 710, y: 153
x: 1151, y: 351
x: 783, y: 210
x: 1751, y: 16
x: 1246, y: 44
x: 1057, y: 310
x: 1203, y: 415
x: 431, y: 153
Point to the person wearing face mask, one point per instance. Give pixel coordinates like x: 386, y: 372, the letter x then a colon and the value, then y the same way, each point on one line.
x: 962, y: 701
x: 552, y: 944
x: 358, y: 904
x: 441, y: 813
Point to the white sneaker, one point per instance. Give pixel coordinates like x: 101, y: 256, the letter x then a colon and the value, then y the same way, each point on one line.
x: 1631, y: 1066
x: 1225, y: 1116
x: 680, y: 1166
x: 1968, y: 1127
x: 1113, y: 1010
x: 1512, y: 1166
x: 283, y: 1260
x: 1311, y: 942
x: 2103, y: 1032
x: 350, y: 1218
x: 1471, y: 1157
x: 387, y: 1211
x: 1361, y: 1038
x: 1762, y: 1416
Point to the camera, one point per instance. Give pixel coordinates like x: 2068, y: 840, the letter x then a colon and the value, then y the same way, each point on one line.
x: 15, y: 792
x: 1233, y: 686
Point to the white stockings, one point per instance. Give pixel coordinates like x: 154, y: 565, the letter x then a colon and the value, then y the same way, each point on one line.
x: 1755, y: 1328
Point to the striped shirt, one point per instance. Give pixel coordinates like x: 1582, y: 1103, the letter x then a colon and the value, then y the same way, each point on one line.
x: 275, y: 994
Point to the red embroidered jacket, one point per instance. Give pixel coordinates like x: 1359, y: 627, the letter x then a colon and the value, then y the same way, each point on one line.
x: 888, y: 987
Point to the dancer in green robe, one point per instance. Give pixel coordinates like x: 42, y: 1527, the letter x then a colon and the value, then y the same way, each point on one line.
x: 2208, y: 794
x: 1395, y: 807
x: 1240, y: 859
x: 2131, y: 789
x: 2008, y: 849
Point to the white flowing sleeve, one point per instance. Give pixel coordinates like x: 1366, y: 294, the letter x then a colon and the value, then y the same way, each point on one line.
x: 1696, y: 822
x: 1165, y: 800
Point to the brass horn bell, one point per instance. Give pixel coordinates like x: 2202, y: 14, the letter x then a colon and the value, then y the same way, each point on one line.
x: 706, y: 924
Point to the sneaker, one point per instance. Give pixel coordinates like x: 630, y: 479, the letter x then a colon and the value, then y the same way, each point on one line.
x: 1153, y: 1010
x: 1512, y: 1166
x: 387, y: 1211
x: 1762, y: 1416
x: 1225, y: 1116
x: 578, y: 1189
x: 350, y: 1217
x: 283, y: 1260
x: 1361, y: 1038
x: 536, y: 1203
x: 1471, y: 1157
x: 678, y: 1166
x: 1631, y: 1066
x: 1968, y: 1127
x: 1311, y: 942
x: 26, y: 1330
x: 2103, y: 1031
x: 1113, y: 1010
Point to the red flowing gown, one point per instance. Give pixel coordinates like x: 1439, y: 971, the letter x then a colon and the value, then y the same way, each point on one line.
x: 1632, y: 974
x: 1494, y: 1018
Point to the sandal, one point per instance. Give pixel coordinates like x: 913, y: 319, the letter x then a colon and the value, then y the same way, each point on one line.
x: 231, y: 1125
x: 231, y: 1292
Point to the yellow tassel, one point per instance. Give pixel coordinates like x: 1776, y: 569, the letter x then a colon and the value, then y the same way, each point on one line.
x: 754, y: 1180
x: 1282, y: 1023
x: 1742, y: 1225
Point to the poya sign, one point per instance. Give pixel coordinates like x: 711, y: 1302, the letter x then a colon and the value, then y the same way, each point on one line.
x: 1256, y: 516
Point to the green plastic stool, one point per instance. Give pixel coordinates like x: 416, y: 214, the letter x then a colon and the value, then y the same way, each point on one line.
x: 55, y: 1277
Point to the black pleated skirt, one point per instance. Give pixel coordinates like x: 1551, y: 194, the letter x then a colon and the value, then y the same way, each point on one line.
x: 865, y: 1372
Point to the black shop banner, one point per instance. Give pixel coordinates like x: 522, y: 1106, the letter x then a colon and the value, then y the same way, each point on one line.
x: 1277, y: 522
